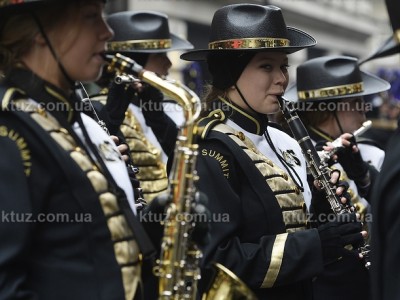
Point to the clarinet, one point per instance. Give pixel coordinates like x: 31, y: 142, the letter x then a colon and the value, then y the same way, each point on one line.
x: 317, y: 166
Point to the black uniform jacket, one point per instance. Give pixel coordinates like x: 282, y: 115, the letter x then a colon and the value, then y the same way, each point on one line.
x: 386, y: 226
x: 247, y: 224
x: 55, y: 243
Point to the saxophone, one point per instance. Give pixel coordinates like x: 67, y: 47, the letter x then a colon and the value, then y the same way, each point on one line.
x: 178, y: 266
x: 317, y: 166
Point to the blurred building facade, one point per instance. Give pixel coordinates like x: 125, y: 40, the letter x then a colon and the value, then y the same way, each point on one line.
x: 349, y: 27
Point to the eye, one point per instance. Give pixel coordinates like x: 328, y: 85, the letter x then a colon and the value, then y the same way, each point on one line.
x: 267, y: 67
x: 285, y: 67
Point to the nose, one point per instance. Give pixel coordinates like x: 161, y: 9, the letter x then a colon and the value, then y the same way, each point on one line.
x: 107, y: 33
x: 280, y: 78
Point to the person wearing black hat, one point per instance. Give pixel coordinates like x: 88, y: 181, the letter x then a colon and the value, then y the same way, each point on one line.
x: 68, y: 226
x: 149, y: 132
x: 329, y: 93
x: 385, y: 275
x: 253, y: 173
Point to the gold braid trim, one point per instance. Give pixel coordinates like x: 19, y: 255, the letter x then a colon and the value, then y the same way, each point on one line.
x: 152, y: 170
x: 126, y: 249
x: 288, y: 195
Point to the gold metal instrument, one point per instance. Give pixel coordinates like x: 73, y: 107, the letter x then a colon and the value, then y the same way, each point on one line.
x: 178, y: 267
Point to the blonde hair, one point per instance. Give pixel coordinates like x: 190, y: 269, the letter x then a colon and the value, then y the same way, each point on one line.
x: 211, y: 93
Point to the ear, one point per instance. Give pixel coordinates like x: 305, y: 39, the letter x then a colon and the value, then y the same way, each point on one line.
x: 39, y: 39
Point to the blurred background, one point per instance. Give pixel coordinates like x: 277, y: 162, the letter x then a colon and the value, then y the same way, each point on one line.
x: 341, y: 27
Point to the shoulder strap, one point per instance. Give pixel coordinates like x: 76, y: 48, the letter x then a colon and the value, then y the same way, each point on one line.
x: 205, y: 124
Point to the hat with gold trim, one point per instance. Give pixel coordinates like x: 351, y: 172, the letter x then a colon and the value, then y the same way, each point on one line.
x: 251, y: 27
x: 143, y: 32
x: 330, y: 78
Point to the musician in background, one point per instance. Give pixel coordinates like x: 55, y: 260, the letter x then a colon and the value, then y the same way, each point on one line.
x: 385, y: 271
x: 138, y: 114
x: 68, y: 227
x: 329, y: 92
x: 253, y: 173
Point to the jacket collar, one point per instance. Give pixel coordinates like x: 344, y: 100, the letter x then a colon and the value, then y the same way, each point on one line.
x: 53, y: 98
x: 255, y: 124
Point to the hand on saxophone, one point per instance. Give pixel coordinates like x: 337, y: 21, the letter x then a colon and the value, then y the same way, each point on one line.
x: 201, y: 215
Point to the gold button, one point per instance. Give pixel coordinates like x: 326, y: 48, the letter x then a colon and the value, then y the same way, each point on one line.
x: 296, y: 190
x: 78, y: 149
x: 240, y: 135
x: 41, y: 111
x: 217, y: 115
x: 63, y: 130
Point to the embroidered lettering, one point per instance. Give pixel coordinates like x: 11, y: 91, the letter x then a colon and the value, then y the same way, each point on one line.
x: 22, y: 146
x: 218, y: 157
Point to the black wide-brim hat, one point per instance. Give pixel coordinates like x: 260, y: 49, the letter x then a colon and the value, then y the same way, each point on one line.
x: 251, y: 27
x: 143, y: 32
x: 390, y: 47
x: 331, y: 78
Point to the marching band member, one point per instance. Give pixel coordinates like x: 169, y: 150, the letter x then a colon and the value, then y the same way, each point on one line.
x: 385, y: 275
x: 253, y: 173
x: 150, y: 133
x: 329, y: 92
x: 70, y: 230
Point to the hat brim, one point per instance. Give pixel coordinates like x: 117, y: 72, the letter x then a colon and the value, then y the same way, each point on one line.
x: 372, y: 85
x: 390, y: 47
x: 177, y: 44
x: 298, y: 41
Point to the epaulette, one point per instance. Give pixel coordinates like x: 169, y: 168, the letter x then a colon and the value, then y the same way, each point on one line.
x: 7, y: 94
x: 205, y: 124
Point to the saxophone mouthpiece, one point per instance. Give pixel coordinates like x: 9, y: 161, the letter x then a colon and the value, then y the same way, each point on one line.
x: 122, y: 63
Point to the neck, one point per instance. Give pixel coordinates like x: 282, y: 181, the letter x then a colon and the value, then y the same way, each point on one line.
x: 330, y: 127
x: 42, y: 63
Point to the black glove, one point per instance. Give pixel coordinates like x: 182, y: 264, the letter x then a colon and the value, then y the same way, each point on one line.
x: 150, y: 100
x: 340, y: 231
x: 355, y: 167
x: 155, y: 213
x: 118, y: 99
x: 320, y: 209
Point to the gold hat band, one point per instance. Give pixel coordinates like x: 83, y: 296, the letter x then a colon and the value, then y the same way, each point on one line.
x: 249, y: 43
x: 139, y: 45
x: 333, y: 91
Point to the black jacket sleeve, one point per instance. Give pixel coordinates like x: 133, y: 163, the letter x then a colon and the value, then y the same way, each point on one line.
x: 15, y: 229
